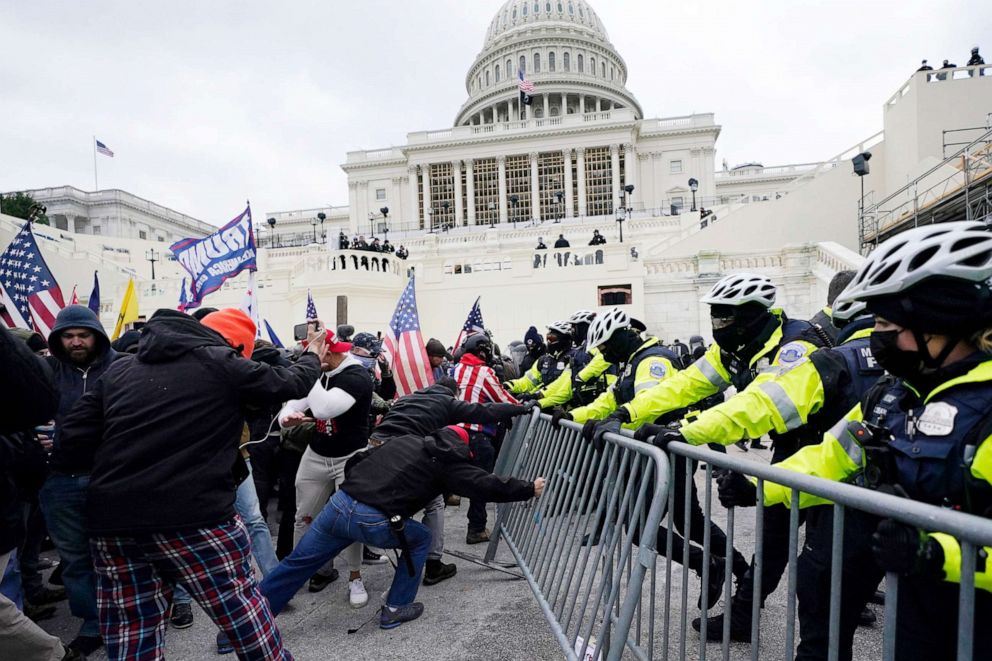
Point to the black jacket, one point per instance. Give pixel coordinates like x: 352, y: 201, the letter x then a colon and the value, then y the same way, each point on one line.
x: 403, y: 475
x: 159, y: 433
x: 433, y: 407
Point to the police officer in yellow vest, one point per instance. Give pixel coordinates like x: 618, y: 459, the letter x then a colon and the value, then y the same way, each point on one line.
x: 923, y: 431
x: 587, y: 374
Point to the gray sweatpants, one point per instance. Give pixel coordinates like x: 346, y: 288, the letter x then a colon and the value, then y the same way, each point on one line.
x: 316, y: 479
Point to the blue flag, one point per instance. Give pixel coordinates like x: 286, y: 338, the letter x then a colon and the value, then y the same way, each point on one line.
x: 213, y: 259
x: 94, y: 302
x: 272, y: 335
x: 182, y: 297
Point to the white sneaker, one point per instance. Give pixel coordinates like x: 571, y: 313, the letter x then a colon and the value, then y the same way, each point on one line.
x: 357, y: 595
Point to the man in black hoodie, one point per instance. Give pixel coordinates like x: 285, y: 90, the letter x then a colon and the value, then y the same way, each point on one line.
x: 383, y: 488
x: 421, y: 412
x: 81, y: 353
x: 159, y: 437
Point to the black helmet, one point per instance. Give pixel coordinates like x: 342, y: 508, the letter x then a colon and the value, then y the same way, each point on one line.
x: 479, y: 345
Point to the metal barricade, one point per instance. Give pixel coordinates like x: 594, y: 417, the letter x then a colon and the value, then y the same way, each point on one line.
x: 580, y: 545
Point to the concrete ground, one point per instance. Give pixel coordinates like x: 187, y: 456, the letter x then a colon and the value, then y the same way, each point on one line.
x: 480, y: 615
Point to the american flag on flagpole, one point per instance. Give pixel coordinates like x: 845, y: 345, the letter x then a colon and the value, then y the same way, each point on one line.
x: 28, y: 290
x: 104, y: 149
x: 411, y: 367
x: 473, y: 324
x: 525, y: 85
x: 311, y: 308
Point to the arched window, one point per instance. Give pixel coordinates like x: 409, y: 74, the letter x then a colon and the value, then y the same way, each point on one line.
x: 592, y: 65
x: 547, y: 6
x: 571, y: 9
x: 497, y: 73
x: 566, y: 61
x: 613, y: 73
x: 487, y: 77
x: 523, y: 64
x: 537, y: 7
x: 524, y: 9
x: 509, y: 68
x: 537, y: 62
x: 551, y: 62
x: 514, y: 13
x: 579, y: 61
x: 602, y: 68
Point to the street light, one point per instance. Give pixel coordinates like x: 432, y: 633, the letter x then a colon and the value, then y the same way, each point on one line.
x: 513, y: 200
x: 693, y: 186
x: 313, y: 224
x: 492, y: 214
x: 625, y: 210
x: 322, y: 217
x: 272, y: 237
x: 860, y: 163
x: 385, y: 223
x: 559, y: 198
x: 430, y: 221
x: 152, y: 257
x: 444, y: 218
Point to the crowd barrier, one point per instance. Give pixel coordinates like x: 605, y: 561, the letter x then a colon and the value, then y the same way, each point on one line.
x: 597, y: 582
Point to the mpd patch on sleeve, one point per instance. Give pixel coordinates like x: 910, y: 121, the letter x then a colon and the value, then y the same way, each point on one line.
x: 658, y: 370
x: 791, y: 353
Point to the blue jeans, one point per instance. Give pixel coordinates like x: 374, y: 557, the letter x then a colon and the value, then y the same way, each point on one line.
x: 342, y: 522
x: 10, y: 581
x: 262, y: 549
x: 63, y: 499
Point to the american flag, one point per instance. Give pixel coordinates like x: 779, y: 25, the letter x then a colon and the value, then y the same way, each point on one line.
x: 311, y: 308
x: 405, y: 344
x: 30, y: 295
x: 473, y: 324
x: 526, y: 87
x: 103, y: 149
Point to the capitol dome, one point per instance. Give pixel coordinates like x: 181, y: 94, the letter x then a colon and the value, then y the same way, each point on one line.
x: 563, y: 49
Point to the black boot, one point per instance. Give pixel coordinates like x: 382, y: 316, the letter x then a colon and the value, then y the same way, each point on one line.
x: 436, y: 571
x: 718, y: 573
x: 740, y: 623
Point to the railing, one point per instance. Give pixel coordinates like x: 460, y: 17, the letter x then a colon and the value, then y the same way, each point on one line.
x: 938, y: 76
x: 363, y: 261
x: 762, y: 171
x: 589, y: 548
x: 473, y: 130
x: 565, y: 258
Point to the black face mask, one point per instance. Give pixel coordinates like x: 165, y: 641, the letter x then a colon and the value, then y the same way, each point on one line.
x: 897, y: 362
x: 740, y: 333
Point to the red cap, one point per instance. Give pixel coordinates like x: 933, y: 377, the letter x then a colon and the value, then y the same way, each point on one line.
x: 336, y: 347
x: 236, y: 327
x: 461, y: 431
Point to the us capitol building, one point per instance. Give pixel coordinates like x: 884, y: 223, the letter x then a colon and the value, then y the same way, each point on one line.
x: 470, y: 201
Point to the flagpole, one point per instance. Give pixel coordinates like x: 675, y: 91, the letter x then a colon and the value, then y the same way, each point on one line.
x: 96, y: 184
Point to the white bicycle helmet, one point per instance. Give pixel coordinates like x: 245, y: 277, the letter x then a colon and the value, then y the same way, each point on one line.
x: 605, y: 325
x: 959, y: 250
x: 844, y: 311
x: 582, y: 317
x: 561, y: 327
x: 741, y: 288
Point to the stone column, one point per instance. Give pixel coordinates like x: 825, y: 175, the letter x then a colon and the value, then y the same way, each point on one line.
x: 580, y: 166
x: 363, y: 207
x: 470, y: 190
x: 428, y: 211
x: 599, y: 104
x: 582, y: 104
x: 501, y: 160
x: 567, y: 200
x: 535, y: 193
x: 411, y: 213
x: 456, y: 176
x: 630, y: 167
x: 547, y: 106
x: 615, y: 172
x: 564, y: 105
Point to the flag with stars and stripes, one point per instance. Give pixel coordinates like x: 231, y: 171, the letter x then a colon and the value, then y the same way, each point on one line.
x: 526, y: 88
x: 472, y: 325
x: 311, y: 308
x: 405, y: 345
x: 30, y: 295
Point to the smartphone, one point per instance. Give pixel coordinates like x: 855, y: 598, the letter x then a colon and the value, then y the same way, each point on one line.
x: 300, y: 331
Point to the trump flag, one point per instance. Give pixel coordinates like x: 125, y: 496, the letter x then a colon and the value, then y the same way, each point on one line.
x: 213, y: 259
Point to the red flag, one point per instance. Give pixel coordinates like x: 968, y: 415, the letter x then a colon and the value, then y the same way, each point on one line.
x: 74, y: 300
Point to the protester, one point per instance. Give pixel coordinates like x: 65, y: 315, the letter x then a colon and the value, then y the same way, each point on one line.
x: 339, y: 406
x: 439, y: 358
x: 81, y: 354
x: 160, y: 512
x: 383, y: 489
x: 535, y: 348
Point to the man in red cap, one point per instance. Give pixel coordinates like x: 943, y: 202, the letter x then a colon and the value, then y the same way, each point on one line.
x: 159, y: 435
x: 338, y: 404
x: 384, y: 487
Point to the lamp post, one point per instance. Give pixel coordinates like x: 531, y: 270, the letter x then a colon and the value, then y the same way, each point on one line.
x: 385, y: 222
x: 322, y: 217
x: 693, y: 186
x: 152, y: 257
x: 272, y: 236
x: 625, y: 210
x: 513, y: 200
x: 444, y: 215
x: 492, y: 214
x: 559, y: 198
x: 860, y: 163
x: 313, y: 224
x: 430, y: 221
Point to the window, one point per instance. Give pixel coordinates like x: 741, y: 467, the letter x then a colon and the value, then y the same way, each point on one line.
x: 677, y: 203
x: 579, y: 60
x: 523, y: 9
x: 380, y: 194
x: 537, y: 7
x: 487, y: 77
x: 547, y: 6
x: 537, y: 62
x: 613, y: 73
x: 523, y: 64
x: 142, y: 234
x: 602, y: 67
x: 551, y: 62
x: 571, y: 9
x: 509, y: 68
x: 96, y: 229
x: 592, y: 65
x: 497, y: 73
x: 615, y: 294
x: 566, y: 62
x: 675, y: 167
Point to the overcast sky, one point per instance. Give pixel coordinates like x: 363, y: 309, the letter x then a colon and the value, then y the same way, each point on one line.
x: 208, y: 103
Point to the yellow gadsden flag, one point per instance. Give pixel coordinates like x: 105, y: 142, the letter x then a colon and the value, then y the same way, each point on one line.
x: 129, y: 309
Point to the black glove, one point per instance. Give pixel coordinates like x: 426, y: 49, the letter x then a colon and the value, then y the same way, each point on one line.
x: 559, y: 414
x: 529, y: 397
x: 906, y: 550
x: 645, y: 433
x: 506, y: 411
x: 664, y: 438
x: 594, y: 431
x: 735, y: 490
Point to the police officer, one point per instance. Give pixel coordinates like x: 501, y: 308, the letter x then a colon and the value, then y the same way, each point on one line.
x: 929, y: 290
x: 548, y: 367
x: 824, y: 318
x: 588, y: 373
x: 750, y: 338
x: 823, y: 386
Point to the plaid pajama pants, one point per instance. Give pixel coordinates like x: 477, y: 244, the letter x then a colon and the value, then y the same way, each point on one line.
x: 135, y: 580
